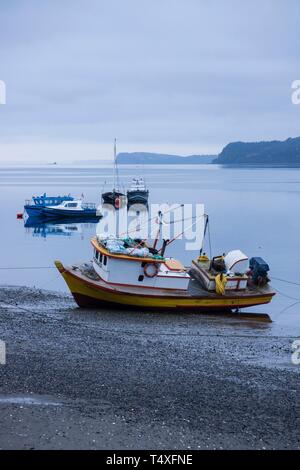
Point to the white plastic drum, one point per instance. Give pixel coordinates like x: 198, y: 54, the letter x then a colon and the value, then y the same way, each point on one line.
x: 236, y: 261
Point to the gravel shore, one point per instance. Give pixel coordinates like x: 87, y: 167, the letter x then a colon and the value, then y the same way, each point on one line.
x: 79, y: 379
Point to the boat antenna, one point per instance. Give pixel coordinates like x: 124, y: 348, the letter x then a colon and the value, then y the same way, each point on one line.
x: 115, y: 151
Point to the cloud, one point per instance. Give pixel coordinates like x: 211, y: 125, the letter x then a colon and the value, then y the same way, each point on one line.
x: 189, y: 75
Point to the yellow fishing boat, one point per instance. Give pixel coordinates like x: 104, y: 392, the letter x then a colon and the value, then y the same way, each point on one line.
x: 126, y: 273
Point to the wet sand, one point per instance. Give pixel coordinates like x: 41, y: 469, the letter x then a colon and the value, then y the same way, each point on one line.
x: 78, y: 379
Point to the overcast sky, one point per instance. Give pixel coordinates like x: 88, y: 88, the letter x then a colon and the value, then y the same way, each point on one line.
x: 173, y: 76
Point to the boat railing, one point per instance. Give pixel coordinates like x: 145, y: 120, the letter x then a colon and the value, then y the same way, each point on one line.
x: 27, y: 202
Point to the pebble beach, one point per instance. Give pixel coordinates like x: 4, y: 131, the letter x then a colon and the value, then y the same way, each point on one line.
x: 84, y: 379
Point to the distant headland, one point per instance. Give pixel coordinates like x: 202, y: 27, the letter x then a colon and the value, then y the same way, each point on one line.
x: 145, y: 158
x: 282, y: 153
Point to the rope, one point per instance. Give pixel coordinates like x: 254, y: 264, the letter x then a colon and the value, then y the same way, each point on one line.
x: 180, y: 220
x: 152, y: 218
x: 27, y: 267
x: 286, y: 281
x: 187, y: 228
x: 290, y: 306
x: 285, y: 295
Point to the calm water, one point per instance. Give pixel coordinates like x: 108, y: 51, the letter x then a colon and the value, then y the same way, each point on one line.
x: 253, y: 209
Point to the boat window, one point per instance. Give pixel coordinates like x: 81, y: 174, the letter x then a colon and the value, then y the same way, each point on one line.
x: 101, y: 257
x: 71, y: 204
x: 141, y: 278
x: 105, y: 261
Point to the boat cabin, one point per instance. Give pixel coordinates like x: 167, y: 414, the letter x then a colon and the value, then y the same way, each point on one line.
x: 45, y: 200
x: 136, y: 266
x: 74, y: 205
x: 138, y: 184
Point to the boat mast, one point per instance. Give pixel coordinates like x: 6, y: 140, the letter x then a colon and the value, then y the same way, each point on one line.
x: 160, y: 216
x: 115, y: 153
x: 205, y: 229
x: 116, y: 172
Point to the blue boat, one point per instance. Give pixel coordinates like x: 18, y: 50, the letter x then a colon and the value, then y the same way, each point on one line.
x: 35, y: 208
x: 71, y: 209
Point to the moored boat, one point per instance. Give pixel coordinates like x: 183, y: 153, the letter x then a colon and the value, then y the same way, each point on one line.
x: 128, y: 273
x: 75, y: 208
x: 89, y: 290
x: 35, y: 208
x: 115, y: 197
x: 137, y: 193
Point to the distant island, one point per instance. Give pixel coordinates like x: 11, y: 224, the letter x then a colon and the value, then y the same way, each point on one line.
x: 138, y: 158
x: 286, y: 153
x: 275, y: 152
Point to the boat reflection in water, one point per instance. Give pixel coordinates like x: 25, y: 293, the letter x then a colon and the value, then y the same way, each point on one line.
x: 134, y: 220
x: 58, y: 227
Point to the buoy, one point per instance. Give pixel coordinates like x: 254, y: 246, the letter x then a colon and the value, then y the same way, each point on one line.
x: 151, y: 270
x: 117, y: 203
x: 20, y: 215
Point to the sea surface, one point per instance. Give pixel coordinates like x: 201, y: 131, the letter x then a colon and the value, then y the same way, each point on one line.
x: 255, y: 210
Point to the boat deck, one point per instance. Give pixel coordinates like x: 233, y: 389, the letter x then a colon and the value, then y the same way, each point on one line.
x: 196, y: 290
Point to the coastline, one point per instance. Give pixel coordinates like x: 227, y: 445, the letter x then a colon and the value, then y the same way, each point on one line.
x: 78, y: 379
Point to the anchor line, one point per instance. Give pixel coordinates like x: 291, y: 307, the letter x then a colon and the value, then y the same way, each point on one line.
x: 25, y: 267
x: 285, y: 280
x: 290, y: 306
